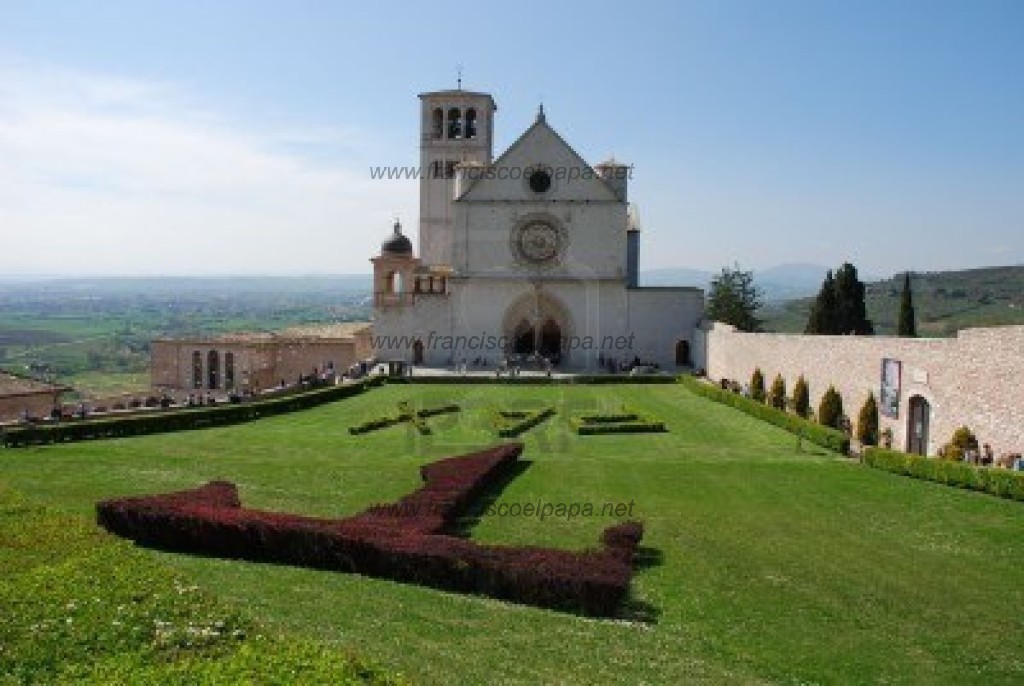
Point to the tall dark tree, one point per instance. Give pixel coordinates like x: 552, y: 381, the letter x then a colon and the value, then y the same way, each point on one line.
x: 734, y: 299
x: 908, y: 322
x: 852, y: 310
x: 839, y: 307
x: 822, y: 319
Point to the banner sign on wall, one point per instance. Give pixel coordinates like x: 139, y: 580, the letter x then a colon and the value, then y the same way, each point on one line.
x: 890, y: 394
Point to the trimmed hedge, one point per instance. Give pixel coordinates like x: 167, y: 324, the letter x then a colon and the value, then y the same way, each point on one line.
x: 405, y: 414
x: 1000, y: 482
x: 161, y: 421
x: 582, y: 380
x: 824, y: 436
x: 511, y: 423
x: 404, y: 541
x: 624, y: 422
x: 623, y: 428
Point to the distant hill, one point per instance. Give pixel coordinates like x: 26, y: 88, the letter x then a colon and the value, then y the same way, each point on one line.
x: 779, y: 283
x: 945, y: 302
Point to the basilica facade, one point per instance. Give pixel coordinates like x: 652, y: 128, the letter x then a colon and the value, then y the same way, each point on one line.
x: 529, y: 256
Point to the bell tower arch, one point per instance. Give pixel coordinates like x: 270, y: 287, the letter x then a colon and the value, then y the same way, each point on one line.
x: 456, y: 127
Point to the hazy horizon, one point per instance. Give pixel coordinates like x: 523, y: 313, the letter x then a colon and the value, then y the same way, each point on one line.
x: 237, y: 138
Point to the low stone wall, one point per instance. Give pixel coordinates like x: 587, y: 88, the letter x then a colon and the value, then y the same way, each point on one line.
x: 35, y: 404
x: 975, y: 379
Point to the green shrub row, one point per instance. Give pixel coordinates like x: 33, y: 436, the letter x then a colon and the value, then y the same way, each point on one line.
x: 1000, y: 482
x: 637, y: 427
x: 161, y: 421
x: 623, y: 422
x: 826, y: 437
x: 405, y: 414
x: 511, y: 423
x: 582, y: 380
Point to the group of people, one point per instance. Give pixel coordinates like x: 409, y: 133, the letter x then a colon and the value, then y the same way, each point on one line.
x: 986, y: 458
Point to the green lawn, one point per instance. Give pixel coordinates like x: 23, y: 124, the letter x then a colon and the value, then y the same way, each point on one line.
x: 762, y: 563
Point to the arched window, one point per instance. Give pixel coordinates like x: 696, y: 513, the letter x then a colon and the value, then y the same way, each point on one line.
x: 438, y: 122
x: 197, y: 369
x: 471, y: 122
x: 229, y: 370
x: 393, y: 283
x: 454, y: 123
x: 213, y: 369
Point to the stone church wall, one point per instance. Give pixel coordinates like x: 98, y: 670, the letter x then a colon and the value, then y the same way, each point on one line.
x: 975, y: 379
x: 659, y: 318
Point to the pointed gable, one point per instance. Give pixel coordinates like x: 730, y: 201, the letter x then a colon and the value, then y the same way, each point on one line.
x: 539, y: 147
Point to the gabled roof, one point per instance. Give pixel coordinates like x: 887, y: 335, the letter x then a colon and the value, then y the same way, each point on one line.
x: 540, y: 124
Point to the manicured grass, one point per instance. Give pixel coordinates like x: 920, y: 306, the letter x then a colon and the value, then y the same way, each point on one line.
x: 762, y: 562
x: 80, y: 606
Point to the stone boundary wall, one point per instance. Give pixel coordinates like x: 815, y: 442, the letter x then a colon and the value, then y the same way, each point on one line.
x: 975, y: 379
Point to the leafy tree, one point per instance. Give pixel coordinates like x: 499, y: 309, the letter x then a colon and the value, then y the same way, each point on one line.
x: 734, y: 299
x: 830, y: 410
x: 907, y: 323
x: 867, y: 422
x: 801, y: 397
x: 757, y: 385
x: 777, y: 394
x: 839, y: 307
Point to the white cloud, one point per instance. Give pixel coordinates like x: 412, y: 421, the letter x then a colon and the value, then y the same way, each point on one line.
x: 102, y: 174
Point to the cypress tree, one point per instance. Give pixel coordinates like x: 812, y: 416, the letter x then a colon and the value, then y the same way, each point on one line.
x: 907, y: 323
x: 867, y: 422
x: 801, y: 397
x: 851, y: 315
x: 830, y: 410
x: 757, y: 385
x: 777, y: 394
x: 822, y: 319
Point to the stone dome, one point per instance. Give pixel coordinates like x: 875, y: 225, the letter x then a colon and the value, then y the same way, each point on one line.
x: 397, y: 243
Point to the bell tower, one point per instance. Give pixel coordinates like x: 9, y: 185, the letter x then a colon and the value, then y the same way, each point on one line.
x: 456, y: 127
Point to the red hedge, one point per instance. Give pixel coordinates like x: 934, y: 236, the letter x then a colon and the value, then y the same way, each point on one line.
x: 402, y: 541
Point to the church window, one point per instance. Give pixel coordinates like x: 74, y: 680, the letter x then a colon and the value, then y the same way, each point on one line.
x: 454, y: 123
x: 438, y: 122
x: 229, y: 370
x: 471, y: 123
x: 213, y: 369
x: 197, y: 369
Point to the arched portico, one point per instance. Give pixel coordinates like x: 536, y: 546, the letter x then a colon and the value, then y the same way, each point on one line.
x: 538, y: 323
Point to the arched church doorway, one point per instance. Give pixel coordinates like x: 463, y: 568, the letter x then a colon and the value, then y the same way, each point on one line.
x: 683, y: 354
x: 550, y: 344
x: 918, y: 419
x: 417, y: 351
x: 537, y: 323
x: 524, y: 338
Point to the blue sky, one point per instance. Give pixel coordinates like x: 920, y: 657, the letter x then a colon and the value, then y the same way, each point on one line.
x: 236, y: 137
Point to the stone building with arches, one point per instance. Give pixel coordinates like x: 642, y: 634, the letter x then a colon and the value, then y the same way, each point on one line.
x: 533, y: 255
x: 256, y: 361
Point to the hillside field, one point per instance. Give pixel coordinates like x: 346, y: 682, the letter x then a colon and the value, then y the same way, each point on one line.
x: 763, y: 561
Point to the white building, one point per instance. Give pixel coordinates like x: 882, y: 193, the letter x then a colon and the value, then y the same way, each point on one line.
x: 533, y: 255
